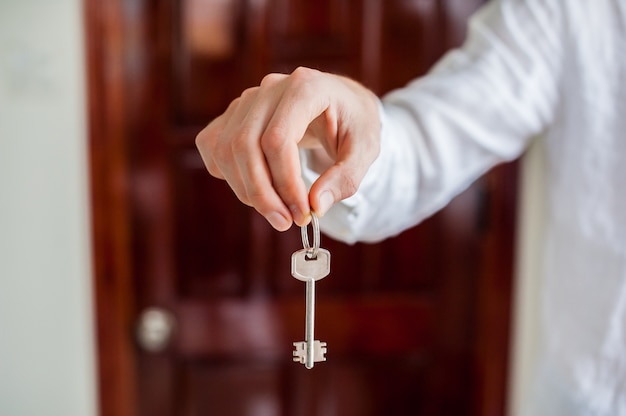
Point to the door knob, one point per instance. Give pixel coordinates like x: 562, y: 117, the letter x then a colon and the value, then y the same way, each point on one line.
x: 155, y: 329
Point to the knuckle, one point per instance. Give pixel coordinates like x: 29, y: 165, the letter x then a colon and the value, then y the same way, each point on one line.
x: 245, y: 200
x: 221, y: 152
x: 303, y: 73
x: 349, y: 183
x: 233, y: 105
x: 247, y: 94
x: 240, y: 142
x: 240, y: 193
x: 305, y: 79
x: 201, y: 139
x: 287, y: 191
x: 258, y: 199
x: 207, y: 135
x: 237, y: 147
x: 271, y: 79
x: 273, y: 140
x: 214, y: 170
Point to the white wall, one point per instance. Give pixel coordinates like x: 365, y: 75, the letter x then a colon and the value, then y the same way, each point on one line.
x: 46, y: 346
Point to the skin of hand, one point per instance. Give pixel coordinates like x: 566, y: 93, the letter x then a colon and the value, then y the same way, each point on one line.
x: 254, y: 144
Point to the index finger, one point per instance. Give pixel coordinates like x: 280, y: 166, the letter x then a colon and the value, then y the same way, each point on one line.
x: 300, y: 104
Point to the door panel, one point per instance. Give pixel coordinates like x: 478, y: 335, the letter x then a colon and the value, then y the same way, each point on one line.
x: 408, y: 321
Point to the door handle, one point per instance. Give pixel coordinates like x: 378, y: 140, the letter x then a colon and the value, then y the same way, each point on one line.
x: 155, y: 329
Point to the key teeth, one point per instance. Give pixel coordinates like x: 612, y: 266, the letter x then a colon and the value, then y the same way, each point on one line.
x: 299, y: 354
x: 319, y: 351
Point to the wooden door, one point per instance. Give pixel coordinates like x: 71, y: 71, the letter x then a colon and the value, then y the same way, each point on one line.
x: 417, y: 325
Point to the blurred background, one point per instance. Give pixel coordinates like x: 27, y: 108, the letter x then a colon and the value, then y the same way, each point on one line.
x: 131, y: 283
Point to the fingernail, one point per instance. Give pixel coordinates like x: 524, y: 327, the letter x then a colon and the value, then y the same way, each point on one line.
x: 326, y: 201
x: 278, y: 221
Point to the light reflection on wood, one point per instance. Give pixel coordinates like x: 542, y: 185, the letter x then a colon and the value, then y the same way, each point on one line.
x: 209, y: 27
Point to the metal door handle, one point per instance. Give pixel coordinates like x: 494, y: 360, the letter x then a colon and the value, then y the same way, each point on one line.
x: 155, y: 329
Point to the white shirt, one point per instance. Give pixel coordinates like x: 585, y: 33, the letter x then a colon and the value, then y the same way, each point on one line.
x: 555, y: 68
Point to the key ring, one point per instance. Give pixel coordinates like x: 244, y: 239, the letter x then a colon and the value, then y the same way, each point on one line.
x: 311, y: 251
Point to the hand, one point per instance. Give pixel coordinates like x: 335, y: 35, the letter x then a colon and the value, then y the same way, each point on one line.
x: 254, y: 144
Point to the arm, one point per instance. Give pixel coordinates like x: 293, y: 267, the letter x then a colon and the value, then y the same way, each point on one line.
x: 477, y: 107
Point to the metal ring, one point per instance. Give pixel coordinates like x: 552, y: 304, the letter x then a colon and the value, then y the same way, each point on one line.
x: 311, y: 250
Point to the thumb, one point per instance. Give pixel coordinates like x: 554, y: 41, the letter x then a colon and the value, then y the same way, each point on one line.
x: 339, y: 182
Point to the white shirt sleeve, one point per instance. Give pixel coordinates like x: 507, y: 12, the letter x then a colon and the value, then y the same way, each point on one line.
x: 478, y: 106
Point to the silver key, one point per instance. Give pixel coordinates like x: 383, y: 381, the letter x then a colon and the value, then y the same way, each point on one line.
x: 310, y: 270
x: 310, y: 265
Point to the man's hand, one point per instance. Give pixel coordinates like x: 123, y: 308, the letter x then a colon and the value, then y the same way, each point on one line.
x: 254, y: 144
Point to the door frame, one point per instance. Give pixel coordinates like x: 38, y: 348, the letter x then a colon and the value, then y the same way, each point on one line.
x: 109, y: 165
